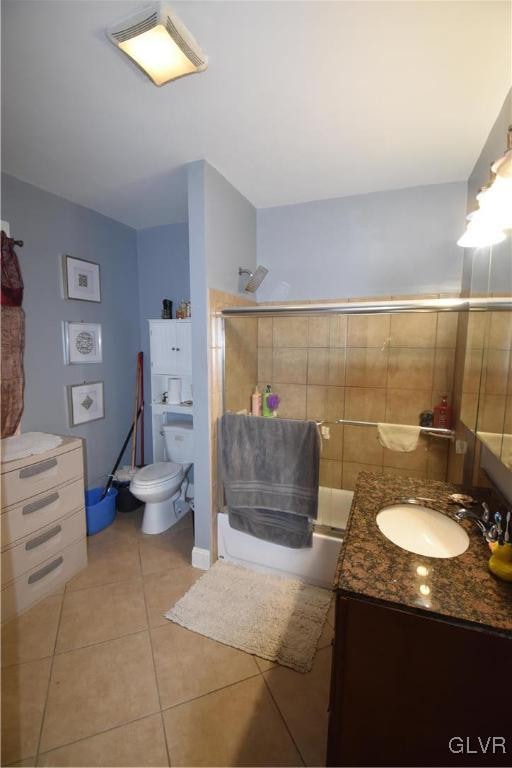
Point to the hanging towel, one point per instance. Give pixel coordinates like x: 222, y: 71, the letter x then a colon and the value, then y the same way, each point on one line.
x: 398, y: 437
x: 12, y: 339
x: 270, y: 470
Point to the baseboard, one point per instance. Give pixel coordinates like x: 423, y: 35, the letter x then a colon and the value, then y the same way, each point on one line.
x: 201, y: 558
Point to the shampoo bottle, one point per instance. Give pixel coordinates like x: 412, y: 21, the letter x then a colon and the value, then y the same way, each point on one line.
x: 256, y: 402
x: 265, y: 409
x: 443, y: 414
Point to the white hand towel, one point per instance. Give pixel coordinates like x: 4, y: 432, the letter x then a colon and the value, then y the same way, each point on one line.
x: 398, y: 437
x: 27, y: 444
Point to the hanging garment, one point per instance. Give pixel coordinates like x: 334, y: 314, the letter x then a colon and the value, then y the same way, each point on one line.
x: 13, y: 339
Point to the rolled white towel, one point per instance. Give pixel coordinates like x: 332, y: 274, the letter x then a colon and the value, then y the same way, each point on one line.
x: 28, y: 444
x: 398, y: 437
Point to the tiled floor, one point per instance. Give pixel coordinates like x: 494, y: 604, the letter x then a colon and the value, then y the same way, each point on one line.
x: 96, y: 676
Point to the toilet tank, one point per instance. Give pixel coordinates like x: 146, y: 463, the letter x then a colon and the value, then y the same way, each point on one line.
x: 179, y: 441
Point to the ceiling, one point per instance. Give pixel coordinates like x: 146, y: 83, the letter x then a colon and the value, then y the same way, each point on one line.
x: 301, y: 100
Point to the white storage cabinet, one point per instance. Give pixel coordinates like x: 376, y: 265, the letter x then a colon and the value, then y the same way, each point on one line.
x: 170, y: 344
x: 42, y: 524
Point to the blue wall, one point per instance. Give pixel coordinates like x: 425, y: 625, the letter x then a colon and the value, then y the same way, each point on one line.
x: 222, y: 231
x: 50, y: 227
x: 163, y: 268
x: 396, y: 242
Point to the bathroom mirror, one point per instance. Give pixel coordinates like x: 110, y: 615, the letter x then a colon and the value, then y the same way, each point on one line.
x: 472, y: 335
x: 494, y: 420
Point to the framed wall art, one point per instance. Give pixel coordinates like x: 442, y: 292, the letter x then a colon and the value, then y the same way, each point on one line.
x: 82, y: 343
x: 81, y: 279
x: 85, y: 402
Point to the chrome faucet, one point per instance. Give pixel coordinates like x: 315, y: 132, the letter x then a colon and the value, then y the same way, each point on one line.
x: 482, y: 519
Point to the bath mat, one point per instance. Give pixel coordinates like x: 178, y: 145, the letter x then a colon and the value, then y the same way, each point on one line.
x: 274, y: 617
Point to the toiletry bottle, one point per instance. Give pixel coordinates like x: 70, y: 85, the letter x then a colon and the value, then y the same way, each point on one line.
x: 265, y: 410
x: 256, y: 402
x: 443, y: 414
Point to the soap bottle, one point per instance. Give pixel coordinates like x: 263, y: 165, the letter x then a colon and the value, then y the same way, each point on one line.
x: 443, y: 414
x: 256, y: 402
x: 265, y: 409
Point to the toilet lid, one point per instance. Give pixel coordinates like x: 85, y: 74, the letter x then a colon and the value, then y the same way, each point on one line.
x: 157, y: 473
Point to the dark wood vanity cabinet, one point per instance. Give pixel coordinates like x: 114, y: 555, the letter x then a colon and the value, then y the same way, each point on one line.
x: 406, y: 687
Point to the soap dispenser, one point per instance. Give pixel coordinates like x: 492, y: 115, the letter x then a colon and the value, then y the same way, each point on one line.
x: 265, y: 409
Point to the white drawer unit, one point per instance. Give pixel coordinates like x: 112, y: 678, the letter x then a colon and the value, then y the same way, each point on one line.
x: 44, y: 579
x: 42, y: 524
x: 40, y: 475
x: 42, y: 545
x: 21, y: 519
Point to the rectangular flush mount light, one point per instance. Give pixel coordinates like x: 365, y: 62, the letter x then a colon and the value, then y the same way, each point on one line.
x: 157, y: 41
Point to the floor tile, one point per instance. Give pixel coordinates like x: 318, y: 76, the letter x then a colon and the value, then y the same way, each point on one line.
x: 108, y: 562
x: 126, y: 525
x: 169, y: 550
x: 32, y: 635
x: 141, y: 743
x: 163, y: 590
x: 99, y: 687
x: 24, y: 688
x: 101, y: 613
x: 303, y: 701
x: 190, y: 665
x: 264, y: 664
x: 239, y: 725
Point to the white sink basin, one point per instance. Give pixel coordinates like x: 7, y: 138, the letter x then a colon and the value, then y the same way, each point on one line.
x: 422, y: 530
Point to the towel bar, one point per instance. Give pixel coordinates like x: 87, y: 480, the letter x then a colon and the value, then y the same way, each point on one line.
x: 434, y: 431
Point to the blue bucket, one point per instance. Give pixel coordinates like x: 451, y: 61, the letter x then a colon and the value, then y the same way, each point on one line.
x: 99, y: 514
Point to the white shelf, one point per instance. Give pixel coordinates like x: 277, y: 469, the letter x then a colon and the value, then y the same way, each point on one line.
x: 171, y: 408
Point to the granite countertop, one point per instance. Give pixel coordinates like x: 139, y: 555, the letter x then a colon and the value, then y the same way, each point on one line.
x: 371, y: 566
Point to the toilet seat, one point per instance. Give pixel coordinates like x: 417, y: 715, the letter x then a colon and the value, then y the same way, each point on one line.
x: 157, y: 474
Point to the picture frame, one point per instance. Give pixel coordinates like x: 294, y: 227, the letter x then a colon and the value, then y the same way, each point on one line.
x: 82, y: 343
x: 81, y: 279
x: 85, y: 402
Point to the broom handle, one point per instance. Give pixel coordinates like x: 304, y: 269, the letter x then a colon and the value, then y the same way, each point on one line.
x: 134, y: 434
x: 142, y: 406
x: 118, y: 461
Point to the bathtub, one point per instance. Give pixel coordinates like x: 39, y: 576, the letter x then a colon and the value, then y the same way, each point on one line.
x: 315, y: 565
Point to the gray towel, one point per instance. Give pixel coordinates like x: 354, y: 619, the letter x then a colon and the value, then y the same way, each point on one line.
x: 270, y: 470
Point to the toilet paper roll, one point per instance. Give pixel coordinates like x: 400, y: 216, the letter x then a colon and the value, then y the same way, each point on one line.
x: 174, y: 391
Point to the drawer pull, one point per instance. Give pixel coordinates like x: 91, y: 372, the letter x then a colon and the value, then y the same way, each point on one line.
x: 38, y: 575
x: 34, y: 506
x: 42, y: 538
x: 36, y: 469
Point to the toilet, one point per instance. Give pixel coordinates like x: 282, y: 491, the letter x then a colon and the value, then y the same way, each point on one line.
x: 158, y: 485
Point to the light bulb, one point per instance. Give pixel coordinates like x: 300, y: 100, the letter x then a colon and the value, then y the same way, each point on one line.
x: 480, y: 233
x: 503, y: 167
x: 496, y: 203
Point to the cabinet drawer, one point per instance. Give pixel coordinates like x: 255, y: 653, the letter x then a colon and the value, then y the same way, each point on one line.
x: 21, y: 484
x: 41, y: 510
x: 42, y: 545
x: 43, y: 580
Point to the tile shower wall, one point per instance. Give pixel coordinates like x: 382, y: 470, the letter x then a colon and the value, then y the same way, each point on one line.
x: 385, y: 368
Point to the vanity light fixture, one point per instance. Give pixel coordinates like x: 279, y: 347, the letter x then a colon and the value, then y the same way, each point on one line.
x: 503, y: 167
x: 494, y: 213
x: 159, y: 43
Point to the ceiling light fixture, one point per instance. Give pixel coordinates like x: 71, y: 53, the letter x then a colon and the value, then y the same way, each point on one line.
x: 159, y: 43
x: 494, y: 213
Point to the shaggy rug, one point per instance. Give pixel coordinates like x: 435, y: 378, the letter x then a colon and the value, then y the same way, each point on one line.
x: 275, y: 617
